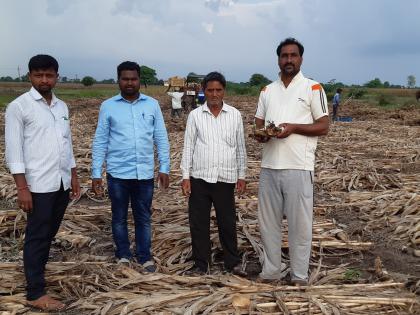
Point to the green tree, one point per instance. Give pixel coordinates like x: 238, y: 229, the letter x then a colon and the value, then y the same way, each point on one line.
x: 147, y: 75
x: 386, y: 84
x: 258, y: 79
x: 88, y: 81
x: 6, y: 79
x: 411, y: 81
x: 64, y: 79
x: 375, y: 83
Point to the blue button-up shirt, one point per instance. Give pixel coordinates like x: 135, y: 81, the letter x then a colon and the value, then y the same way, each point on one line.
x: 125, y: 138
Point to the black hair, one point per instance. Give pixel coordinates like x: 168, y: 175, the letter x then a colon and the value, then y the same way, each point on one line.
x: 42, y: 62
x: 339, y: 90
x: 290, y: 41
x: 128, y: 65
x: 213, y: 76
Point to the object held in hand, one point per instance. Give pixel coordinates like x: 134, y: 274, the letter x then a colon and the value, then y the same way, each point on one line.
x: 271, y: 130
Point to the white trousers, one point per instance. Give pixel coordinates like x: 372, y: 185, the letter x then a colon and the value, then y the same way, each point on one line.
x: 290, y: 193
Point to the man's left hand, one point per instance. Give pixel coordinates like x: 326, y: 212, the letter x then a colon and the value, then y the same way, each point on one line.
x: 240, y: 186
x: 163, y: 180
x: 75, y: 188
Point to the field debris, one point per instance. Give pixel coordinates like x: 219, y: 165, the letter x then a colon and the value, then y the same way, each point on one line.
x: 369, y: 168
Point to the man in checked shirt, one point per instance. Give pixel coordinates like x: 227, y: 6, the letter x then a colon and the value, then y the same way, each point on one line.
x: 213, y: 162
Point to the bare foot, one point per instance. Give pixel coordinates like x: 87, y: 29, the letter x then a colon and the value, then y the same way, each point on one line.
x: 46, y: 303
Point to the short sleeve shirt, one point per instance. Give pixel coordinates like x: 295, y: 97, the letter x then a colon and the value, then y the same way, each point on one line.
x: 302, y: 102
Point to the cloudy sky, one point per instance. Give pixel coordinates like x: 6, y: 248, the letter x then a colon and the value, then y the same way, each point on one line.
x: 350, y: 41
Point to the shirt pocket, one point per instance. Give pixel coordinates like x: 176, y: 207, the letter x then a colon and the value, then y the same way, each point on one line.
x: 148, y: 120
x: 228, y: 136
x: 65, y: 127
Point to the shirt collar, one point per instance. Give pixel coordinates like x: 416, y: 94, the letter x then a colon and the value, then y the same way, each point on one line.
x: 37, y: 96
x: 299, y: 76
x: 141, y: 97
x: 205, y: 108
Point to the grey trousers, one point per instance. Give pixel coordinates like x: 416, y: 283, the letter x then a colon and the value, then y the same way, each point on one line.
x: 290, y: 193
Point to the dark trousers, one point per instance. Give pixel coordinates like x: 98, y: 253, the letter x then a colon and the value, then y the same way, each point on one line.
x: 335, y: 111
x: 42, y: 225
x: 221, y: 195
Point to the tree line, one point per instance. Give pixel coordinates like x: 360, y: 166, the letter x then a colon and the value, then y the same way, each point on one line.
x: 255, y: 83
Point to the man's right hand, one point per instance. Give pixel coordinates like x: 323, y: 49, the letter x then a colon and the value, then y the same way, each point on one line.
x: 24, y: 200
x: 97, y: 187
x: 186, y: 187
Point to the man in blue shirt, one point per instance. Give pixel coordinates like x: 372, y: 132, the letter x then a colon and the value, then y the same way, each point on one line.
x: 336, y: 103
x: 130, y: 124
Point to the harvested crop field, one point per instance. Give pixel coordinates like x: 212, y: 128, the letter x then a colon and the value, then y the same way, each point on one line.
x: 365, y: 257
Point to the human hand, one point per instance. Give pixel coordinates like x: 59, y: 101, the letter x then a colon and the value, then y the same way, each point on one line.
x: 75, y: 188
x: 97, y: 187
x: 186, y: 187
x: 240, y: 186
x: 24, y: 200
x: 163, y: 180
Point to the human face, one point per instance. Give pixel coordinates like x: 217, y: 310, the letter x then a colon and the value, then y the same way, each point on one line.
x: 43, y: 80
x: 129, y: 83
x: 290, y: 60
x: 214, y: 93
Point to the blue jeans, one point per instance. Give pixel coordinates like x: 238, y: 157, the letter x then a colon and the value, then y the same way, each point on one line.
x: 140, y: 193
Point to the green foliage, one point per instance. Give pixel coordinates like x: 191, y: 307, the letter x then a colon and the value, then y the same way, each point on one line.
x: 385, y: 100
x: 258, y: 79
x: 357, y: 93
x: 233, y: 88
x: 6, y: 99
x: 331, y: 87
x: 375, y: 83
x: 88, y: 81
x: 148, y: 75
x: 6, y: 79
x: 24, y: 78
x: 352, y: 274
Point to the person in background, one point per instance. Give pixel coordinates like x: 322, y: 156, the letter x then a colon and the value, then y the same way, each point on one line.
x: 336, y: 103
x: 299, y: 106
x: 130, y: 124
x: 39, y: 154
x: 213, y: 163
x: 176, y: 101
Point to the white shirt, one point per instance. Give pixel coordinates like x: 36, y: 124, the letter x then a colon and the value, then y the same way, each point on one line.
x: 214, y: 147
x: 38, y: 142
x: 302, y: 102
x: 176, y: 99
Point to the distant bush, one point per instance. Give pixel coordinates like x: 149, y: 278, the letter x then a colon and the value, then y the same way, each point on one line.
x: 357, y: 93
x: 88, y: 81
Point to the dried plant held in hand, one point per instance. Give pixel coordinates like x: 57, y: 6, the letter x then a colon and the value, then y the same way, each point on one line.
x: 272, y: 130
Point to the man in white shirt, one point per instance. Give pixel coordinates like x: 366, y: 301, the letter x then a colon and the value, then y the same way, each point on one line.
x: 39, y: 154
x: 213, y: 162
x: 299, y: 106
x: 176, y: 100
